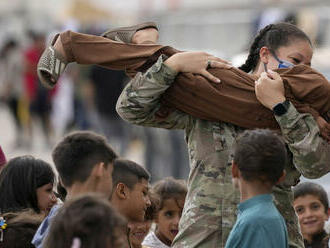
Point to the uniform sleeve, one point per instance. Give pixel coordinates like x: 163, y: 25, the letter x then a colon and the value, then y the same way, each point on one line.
x: 311, y: 153
x: 139, y: 102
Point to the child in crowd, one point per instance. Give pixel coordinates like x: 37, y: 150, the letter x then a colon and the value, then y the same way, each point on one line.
x: 172, y: 194
x: 130, y: 189
x: 18, y: 229
x: 84, y: 162
x: 139, y: 230
x: 27, y: 182
x: 87, y: 222
x: 258, y: 164
x: 312, y: 207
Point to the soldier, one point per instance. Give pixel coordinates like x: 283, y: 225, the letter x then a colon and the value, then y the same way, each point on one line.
x: 210, y: 209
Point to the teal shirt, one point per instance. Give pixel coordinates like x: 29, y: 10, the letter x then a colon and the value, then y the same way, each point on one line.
x: 259, y: 224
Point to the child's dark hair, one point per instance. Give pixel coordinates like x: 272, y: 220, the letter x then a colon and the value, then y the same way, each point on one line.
x: 170, y: 188
x: 309, y: 188
x: 76, y: 155
x: 128, y: 172
x: 272, y: 36
x: 89, y: 218
x: 260, y: 155
x: 19, y: 181
x: 21, y: 227
x: 152, y: 210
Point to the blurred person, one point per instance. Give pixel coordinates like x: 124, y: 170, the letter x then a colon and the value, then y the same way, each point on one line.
x: 27, y: 182
x: 3, y: 160
x: 18, y: 228
x: 87, y: 221
x: 107, y: 86
x: 84, y: 162
x: 37, y: 98
x: 258, y: 164
x: 312, y: 207
x: 139, y: 230
x: 144, y: 100
x: 12, y: 76
x: 172, y: 194
x: 62, y: 114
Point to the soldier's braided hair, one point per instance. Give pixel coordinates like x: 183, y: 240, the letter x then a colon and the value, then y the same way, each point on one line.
x: 272, y: 36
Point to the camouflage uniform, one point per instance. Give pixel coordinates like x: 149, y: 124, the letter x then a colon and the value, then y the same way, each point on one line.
x: 210, y: 208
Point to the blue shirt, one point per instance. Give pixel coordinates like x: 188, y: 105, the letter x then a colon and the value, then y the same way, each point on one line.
x: 44, y: 227
x: 259, y: 224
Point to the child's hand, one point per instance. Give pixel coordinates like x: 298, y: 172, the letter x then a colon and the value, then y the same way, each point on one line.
x: 324, y: 128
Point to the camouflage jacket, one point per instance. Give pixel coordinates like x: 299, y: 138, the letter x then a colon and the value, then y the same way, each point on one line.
x: 209, y: 147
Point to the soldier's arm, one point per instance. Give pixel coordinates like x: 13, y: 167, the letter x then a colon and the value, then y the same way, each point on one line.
x: 139, y: 102
x: 311, y: 153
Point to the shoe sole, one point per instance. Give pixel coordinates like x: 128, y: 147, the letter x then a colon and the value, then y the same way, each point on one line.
x: 135, y: 28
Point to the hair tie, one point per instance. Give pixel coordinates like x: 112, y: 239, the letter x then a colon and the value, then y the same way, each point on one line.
x: 3, y: 226
x: 76, y: 243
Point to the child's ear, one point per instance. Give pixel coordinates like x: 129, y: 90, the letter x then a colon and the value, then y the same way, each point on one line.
x: 234, y: 170
x: 282, y: 178
x: 328, y: 213
x: 122, y: 191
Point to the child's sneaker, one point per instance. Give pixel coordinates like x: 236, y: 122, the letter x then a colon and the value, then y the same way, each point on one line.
x: 51, y: 65
x: 125, y: 34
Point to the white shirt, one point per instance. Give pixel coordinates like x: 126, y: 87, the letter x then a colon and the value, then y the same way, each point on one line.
x: 152, y: 241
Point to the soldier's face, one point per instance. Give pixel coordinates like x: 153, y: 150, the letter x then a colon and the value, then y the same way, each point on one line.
x: 312, y: 215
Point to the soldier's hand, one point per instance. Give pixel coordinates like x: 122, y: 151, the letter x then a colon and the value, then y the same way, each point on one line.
x: 269, y: 89
x: 198, y: 63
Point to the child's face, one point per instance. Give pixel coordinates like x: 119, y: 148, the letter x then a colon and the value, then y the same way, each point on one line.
x: 46, y: 197
x: 311, y: 214
x: 138, y: 231
x: 168, y: 220
x: 138, y: 201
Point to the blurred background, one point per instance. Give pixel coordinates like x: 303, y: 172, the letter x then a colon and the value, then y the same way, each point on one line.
x: 33, y: 119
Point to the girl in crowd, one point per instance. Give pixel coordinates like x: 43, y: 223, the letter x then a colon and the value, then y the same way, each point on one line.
x: 17, y: 229
x: 27, y: 182
x: 172, y: 194
x: 87, y: 222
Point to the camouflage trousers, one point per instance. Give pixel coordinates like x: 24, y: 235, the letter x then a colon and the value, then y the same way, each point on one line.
x: 211, y: 208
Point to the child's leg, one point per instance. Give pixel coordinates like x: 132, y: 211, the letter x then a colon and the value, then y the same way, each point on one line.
x: 91, y: 49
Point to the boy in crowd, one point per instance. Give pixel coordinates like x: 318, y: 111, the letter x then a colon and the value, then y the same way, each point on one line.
x: 130, y: 189
x: 84, y: 162
x: 258, y: 165
x: 312, y: 207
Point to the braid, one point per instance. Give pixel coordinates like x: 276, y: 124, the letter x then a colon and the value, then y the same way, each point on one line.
x: 252, y: 60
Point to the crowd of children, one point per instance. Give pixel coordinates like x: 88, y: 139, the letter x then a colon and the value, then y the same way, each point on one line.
x: 108, y: 202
